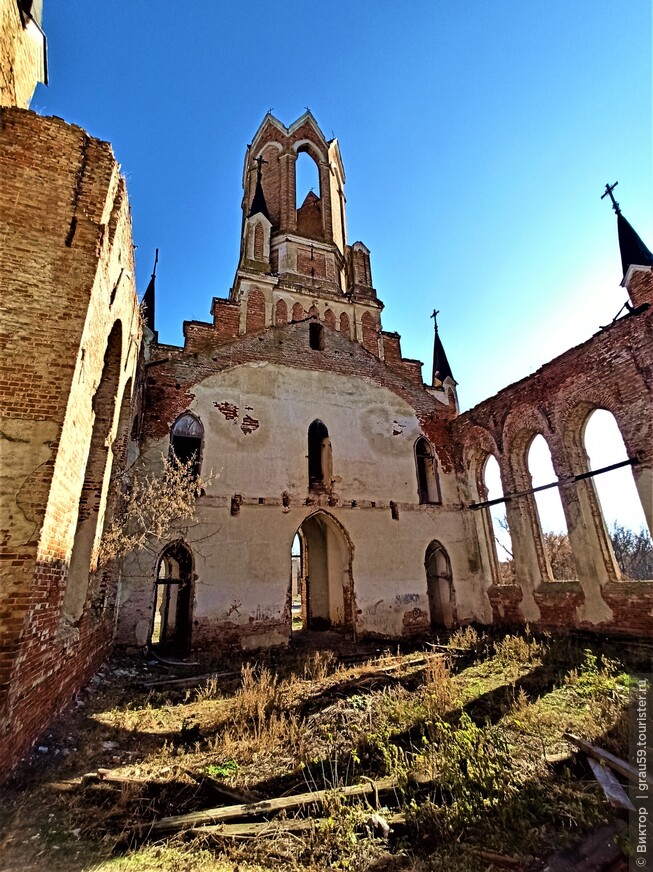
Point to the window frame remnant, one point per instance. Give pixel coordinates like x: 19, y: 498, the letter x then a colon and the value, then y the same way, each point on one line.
x: 426, y: 467
x: 187, y: 441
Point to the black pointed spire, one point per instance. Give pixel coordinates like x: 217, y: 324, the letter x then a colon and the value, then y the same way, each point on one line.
x: 633, y: 251
x: 441, y: 368
x: 148, y: 297
x: 258, y: 203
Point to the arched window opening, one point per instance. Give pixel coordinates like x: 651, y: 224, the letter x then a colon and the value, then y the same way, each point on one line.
x: 118, y: 486
x: 319, y: 457
x: 553, y: 524
x: 501, y: 539
x: 93, y: 497
x: 344, y: 325
x: 439, y: 583
x: 428, y: 484
x: 307, y: 179
x: 316, y: 337
x: 120, y: 445
x: 171, y: 624
x: 186, y: 441
x: 620, y: 503
x: 330, y: 319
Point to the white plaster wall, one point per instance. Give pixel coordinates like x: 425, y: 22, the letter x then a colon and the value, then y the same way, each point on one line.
x: 243, y: 562
x: 372, y: 434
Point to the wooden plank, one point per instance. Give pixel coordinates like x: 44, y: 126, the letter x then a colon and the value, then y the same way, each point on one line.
x: 609, y: 759
x: 614, y: 792
x: 493, y: 856
x: 271, y: 828
x: 186, y: 682
x: 266, y: 806
x: 109, y: 776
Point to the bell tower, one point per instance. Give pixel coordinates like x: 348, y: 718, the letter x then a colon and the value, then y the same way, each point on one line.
x: 295, y: 262
x: 307, y: 244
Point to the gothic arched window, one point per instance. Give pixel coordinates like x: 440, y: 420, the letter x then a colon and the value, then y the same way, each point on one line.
x: 319, y: 456
x: 428, y: 485
x: 186, y: 441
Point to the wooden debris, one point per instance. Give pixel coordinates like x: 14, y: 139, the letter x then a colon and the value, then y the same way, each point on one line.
x: 66, y: 786
x: 109, y: 776
x: 188, y: 682
x: 609, y: 759
x: 494, y: 857
x: 448, y: 649
x: 562, y: 757
x: 614, y: 792
x: 222, y: 790
x: 167, y: 661
x: 267, y: 806
x: 271, y: 828
x: 344, y: 687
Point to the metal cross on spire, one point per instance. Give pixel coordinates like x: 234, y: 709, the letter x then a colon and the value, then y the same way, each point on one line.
x: 259, y: 161
x: 608, y: 193
x: 435, y: 314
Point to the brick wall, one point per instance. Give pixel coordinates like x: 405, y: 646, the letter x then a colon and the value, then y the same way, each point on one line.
x: 613, y: 370
x: 370, y: 337
x: 173, y: 372
x: 67, y: 279
x: 22, y: 56
x: 255, y: 312
x: 280, y: 313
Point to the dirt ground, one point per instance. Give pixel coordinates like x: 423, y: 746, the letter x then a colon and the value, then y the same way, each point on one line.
x: 468, y: 734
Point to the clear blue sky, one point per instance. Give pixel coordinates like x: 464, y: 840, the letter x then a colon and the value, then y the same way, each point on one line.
x: 477, y: 137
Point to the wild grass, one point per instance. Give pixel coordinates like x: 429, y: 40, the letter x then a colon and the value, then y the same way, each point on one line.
x: 481, y: 731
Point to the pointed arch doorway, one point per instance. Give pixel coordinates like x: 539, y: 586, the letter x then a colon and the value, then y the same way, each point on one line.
x: 171, y: 623
x: 439, y: 585
x: 322, y: 569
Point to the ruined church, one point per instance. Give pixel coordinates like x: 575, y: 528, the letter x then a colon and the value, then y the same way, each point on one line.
x: 344, y: 492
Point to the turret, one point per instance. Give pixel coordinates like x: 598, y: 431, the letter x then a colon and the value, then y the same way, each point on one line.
x: 442, y: 378
x: 636, y: 259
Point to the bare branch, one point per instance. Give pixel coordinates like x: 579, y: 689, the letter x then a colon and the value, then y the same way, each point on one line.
x: 151, y: 507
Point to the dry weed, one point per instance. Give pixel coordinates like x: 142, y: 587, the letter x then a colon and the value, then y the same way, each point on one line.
x: 320, y: 665
x: 465, y: 637
x: 440, y: 694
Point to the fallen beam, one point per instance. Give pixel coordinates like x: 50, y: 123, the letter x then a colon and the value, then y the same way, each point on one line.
x: 493, y: 856
x: 267, y: 806
x: 272, y: 828
x: 187, y: 682
x: 609, y: 759
x: 614, y: 792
